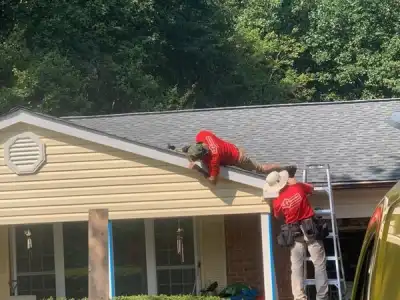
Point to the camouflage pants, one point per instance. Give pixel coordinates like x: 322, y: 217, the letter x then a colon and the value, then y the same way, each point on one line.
x: 248, y: 164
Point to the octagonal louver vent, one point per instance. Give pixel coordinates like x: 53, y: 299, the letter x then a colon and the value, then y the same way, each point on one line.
x: 24, y: 153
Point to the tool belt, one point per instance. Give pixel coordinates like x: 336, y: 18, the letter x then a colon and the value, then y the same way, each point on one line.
x: 311, y: 229
x: 288, y: 234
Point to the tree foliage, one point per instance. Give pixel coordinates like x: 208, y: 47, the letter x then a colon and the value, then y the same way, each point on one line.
x: 83, y: 57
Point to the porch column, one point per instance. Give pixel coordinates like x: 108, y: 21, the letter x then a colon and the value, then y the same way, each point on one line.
x: 151, y: 265
x: 111, y: 275
x: 270, y: 288
x: 58, y: 240
x: 98, y: 255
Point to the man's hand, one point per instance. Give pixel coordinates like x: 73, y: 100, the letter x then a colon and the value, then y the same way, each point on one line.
x: 185, y: 149
x: 269, y: 201
x: 212, y: 180
x: 194, y: 166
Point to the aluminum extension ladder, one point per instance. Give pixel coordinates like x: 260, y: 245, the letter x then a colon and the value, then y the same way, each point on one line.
x: 326, y: 188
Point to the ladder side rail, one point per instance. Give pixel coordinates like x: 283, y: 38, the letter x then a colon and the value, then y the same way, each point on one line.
x: 340, y: 275
x: 344, y: 290
x: 305, y: 175
x: 336, y: 243
x: 337, y: 232
x: 305, y: 262
x: 341, y: 260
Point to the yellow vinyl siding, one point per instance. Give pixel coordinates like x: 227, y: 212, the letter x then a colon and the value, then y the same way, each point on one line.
x: 211, y: 235
x: 80, y: 175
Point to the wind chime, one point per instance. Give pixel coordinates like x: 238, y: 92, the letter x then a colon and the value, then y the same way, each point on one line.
x: 179, y: 242
x: 28, y: 235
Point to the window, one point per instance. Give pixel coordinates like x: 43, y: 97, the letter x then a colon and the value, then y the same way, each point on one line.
x: 35, y: 267
x: 76, y: 259
x: 174, y: 276
x: 129, y: 258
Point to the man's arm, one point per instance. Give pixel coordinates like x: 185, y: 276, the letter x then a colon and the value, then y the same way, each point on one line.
x: 212, y: 179
x: 199, y: 169
x: 308, y: 188
x: 275, y: 209
x: 214, y: 168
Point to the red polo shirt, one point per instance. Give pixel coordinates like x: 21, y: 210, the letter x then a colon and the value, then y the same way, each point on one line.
x: 221, y: 152
x: 293, y: 203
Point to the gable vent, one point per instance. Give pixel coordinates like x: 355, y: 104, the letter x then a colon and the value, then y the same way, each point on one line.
x: 24, y: 153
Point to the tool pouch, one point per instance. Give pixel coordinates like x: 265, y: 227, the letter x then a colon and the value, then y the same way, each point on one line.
x: 309, y: 228
x: 322, y: 228
x: 314, y: 229
x: 288, y: 234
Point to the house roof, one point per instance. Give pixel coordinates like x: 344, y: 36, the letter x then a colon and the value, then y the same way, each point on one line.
x: 353, y: 137
x: 22, y: 115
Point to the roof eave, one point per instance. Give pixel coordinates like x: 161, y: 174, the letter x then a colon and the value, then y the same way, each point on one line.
x: 23, y: 115
x: 363, y: 184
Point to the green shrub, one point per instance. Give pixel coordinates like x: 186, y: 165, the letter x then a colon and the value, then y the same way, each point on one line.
x: 149, y: 297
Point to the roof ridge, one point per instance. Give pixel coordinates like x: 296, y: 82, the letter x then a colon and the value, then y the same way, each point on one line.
x: 233, y: 108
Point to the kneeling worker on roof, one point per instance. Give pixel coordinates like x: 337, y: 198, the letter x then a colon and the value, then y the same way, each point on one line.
x: 301, y: 230
x: 214, y: 152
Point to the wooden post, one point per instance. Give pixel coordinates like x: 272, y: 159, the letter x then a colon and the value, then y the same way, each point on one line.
x: 98, y: 255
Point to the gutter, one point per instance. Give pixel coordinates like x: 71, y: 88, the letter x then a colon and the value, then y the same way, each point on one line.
x: 363, y: 184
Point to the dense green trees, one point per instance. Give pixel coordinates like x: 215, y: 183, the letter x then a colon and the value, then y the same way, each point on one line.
x: 74, y: 56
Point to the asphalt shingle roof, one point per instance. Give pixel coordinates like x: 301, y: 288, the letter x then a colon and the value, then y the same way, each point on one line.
x: 352, y: 137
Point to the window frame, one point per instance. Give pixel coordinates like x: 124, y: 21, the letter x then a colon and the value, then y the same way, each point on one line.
x: 184, y: 266
x: 14, y: 260
x: 151, y: 265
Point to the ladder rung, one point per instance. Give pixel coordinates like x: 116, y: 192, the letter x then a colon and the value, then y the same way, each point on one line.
x: 328, y: 258
x: 330, y: 281
x: 321, y: 188
x: 323, y: 212
x: 317, y: 166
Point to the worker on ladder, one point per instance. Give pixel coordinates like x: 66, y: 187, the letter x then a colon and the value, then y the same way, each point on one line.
x: 214, y: 152
x: 300, y: 231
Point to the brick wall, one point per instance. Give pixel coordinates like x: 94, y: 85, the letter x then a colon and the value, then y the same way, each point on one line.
x: 244, y: 254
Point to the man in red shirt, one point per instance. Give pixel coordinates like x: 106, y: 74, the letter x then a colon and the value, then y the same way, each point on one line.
x: 292, y: 202
x: 215, y: 152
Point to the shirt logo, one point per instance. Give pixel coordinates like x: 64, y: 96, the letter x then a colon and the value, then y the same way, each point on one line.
x: 212, y: 145
x: 292, y: 202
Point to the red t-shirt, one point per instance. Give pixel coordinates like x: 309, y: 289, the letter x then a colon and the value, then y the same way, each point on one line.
x: 221, y: 152
x: 293, y: 203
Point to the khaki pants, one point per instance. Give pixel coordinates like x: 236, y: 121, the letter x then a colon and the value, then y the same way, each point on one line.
x: 318, y: 257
